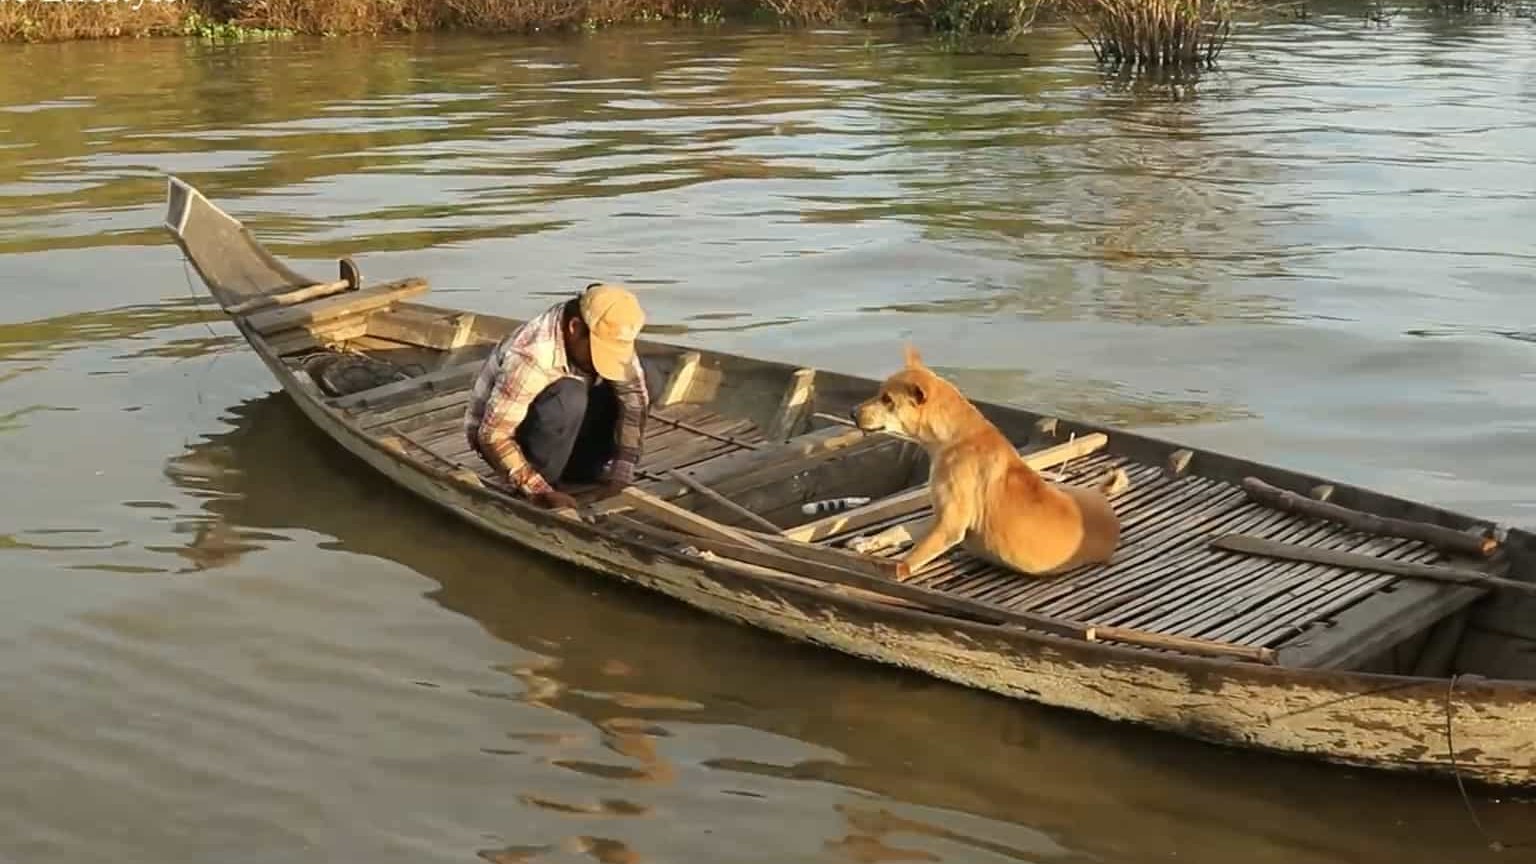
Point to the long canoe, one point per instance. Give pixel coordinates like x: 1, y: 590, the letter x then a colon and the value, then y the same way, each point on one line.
x: 1249, y: 605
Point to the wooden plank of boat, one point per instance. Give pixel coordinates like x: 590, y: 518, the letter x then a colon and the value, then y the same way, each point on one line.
x: 831, y: 565
x: 442, y: 380
x: 331, y: 308
x: 795, y: 405
x: 308, y: 338
x: 423, y: 328
x: 697, y: 430
x: 916, y: 499
x: 686, y: 520
x: 760, y: 466
x: 681, y: 379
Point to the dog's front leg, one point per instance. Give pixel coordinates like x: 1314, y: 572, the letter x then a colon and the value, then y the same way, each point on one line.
x: 947, y: 532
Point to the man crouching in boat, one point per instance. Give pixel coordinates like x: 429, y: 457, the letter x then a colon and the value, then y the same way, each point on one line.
x: 563, y: 399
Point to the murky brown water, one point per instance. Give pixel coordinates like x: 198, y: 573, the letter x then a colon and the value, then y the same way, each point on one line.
x: 222, y: 641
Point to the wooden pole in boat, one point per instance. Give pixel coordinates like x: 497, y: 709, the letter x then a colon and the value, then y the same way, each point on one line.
x: 351, y: 280
x: 1250, y: 545
x: 1369, y: 523
x: 723, y: 501
x: 699, y: 430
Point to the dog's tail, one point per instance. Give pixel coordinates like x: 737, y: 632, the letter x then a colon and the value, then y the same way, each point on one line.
x: 1115, y: 481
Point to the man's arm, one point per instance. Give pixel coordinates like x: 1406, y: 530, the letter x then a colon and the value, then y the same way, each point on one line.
x: 509, y: 400
x: 634, y: 402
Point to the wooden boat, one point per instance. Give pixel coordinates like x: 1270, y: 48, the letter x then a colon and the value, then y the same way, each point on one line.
x: 1249, y: 605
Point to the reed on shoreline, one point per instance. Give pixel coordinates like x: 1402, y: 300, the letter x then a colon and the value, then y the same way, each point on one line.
x: 1156, y: 34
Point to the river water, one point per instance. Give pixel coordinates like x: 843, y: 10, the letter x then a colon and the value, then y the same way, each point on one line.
x: 221, y: 640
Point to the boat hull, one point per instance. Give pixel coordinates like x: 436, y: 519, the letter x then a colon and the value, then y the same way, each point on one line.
x: 1386, y: 722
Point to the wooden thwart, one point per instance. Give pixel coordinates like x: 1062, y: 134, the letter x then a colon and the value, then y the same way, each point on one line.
x: 913, y: 500
x: 1251, y: 545
x: 1440, y: 536
x: 332, y: 333
x: 427, y: 329
x: 331, y: 308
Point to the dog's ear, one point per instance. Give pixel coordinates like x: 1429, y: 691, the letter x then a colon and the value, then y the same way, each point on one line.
x: 914, y: 360
x: 918, y: 394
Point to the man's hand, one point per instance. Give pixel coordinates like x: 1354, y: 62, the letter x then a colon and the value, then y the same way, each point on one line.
x: 554, y: 499
x: 611, y: 488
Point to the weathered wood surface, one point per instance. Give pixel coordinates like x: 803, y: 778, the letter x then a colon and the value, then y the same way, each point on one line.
x: 423, y: 328
x: 680, y: 381
x: 686, y: 520
x: 331, y: 308
x: 451, y: 379
x: 795, y: 406
x: 840, y: 568
x: 1448, y: 539
x: 916, y: 499
x: 723, y: 501
x: 1352, y: 561
x: 289, y: 298
x: 699, y: 430
x: 307, y: 338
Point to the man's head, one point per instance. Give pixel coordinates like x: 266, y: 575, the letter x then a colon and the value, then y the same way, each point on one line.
x: 600, y: 330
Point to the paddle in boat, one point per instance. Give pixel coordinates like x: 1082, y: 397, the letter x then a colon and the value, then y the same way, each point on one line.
x: 1247, y: 605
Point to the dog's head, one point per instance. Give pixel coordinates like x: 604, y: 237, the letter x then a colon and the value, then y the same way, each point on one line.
x: 902, y: 401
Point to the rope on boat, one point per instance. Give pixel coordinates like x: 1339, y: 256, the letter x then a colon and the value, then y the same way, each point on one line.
x: 197, y: 306
x: 1450, y: 743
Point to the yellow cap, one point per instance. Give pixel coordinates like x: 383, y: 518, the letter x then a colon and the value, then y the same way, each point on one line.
x: 614, y: 318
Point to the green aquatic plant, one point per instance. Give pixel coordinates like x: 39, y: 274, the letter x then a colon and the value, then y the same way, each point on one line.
x: 200, y: 27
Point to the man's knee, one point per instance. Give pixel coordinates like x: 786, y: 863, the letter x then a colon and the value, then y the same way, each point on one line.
x: 558, y: 408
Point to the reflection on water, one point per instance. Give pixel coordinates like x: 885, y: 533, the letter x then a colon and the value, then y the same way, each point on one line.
x: 31, y: 341
x: 217, y: 632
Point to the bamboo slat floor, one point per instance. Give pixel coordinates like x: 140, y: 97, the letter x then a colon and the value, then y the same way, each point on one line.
x: 1165, y: 577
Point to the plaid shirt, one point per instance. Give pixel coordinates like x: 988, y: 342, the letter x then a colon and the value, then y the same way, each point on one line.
x: 521, y: 366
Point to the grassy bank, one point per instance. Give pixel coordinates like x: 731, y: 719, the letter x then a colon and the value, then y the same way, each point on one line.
x: 55, y: 20
x: 52, y: 20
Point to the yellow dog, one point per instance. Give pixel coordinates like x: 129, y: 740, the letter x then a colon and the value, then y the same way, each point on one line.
x: 984, y: 495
